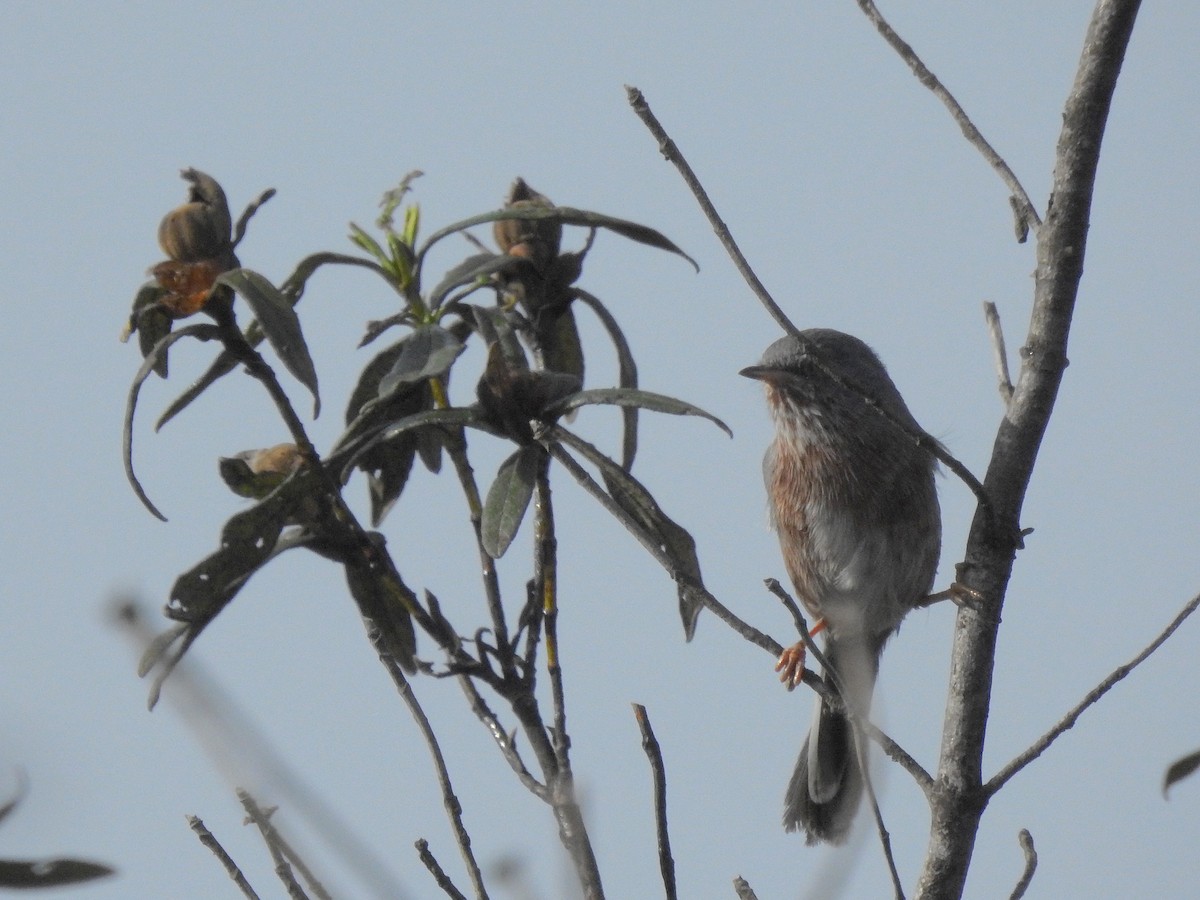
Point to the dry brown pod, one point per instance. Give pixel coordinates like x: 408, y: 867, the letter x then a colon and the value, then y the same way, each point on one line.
x: 201, y: 228
x: 532, y: 239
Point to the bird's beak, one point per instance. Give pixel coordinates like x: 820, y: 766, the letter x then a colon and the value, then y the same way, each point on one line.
x: 760, y: 373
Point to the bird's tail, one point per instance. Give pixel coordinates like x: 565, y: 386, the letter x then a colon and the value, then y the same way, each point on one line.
x: 827, y: 785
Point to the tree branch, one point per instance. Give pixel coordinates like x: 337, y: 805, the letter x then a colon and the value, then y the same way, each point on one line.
x: 666, y: 862
x: 917, y: 435
x: 1068, y: 721
x: 959, y: 797
x: 1023, y: 208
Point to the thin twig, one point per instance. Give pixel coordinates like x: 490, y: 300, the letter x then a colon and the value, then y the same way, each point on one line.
x: 209, y: 841
x: 589, y: 484
x: 503, y: 740
x: 280, y: 852
x: 1023, y: 207
x: 1025, y: 839
x: 1039, y: 746
x: 456, y: 447
x: 438, y: 873
x: 449, y: 798
x: 999, y: 353
x: 666, y: 862
x: 885, y: 837
x: 858, y: 723
x: 894, y: 751
x: 545, y: 581
x: 919, y: 437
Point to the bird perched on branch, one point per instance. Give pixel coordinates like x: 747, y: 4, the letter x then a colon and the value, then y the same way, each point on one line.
x: 852, y: 497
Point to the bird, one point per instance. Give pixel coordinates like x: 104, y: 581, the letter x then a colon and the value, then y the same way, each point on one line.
x: 853, y: 500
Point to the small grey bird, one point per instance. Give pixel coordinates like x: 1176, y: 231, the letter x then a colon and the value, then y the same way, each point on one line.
x: 853, y: 501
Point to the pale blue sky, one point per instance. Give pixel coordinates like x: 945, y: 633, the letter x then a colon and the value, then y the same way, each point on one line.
x: 861, y: 207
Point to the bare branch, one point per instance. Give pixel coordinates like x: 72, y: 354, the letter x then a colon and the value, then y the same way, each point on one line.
x: 581, y: 475
x: 999, y: 353
x: 918, y: 436
x: 666, y: 862
x: 439, y: 874
x: 449, y: 799
x: 1061, y: 245
x: 1068, y: 721
x: 1025, y: 839
x: 1023, y: 208
x: 897, y: 753
x: 281, y: 852
x: 209, y: 841
x: 503, y: 740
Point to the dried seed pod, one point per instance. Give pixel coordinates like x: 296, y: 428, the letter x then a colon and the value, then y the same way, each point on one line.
x: 201, y: 228
x: 536, y: 240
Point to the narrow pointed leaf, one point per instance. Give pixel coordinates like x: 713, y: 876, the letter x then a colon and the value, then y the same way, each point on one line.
x: 293, y: 289
x: 428, y: 352
x: 508, y: 499
x: 1181, y: 769
x: 279, y: 323
x: 632, y: 496
x: 368, y: 243
x: 627, y: 376
x: 473, y: 267
x: 379, y: 603
x: 636, y: 398
x: 46, y: 873
x: 346, y: 455
x: 202, y: 332
x: 494, y: 328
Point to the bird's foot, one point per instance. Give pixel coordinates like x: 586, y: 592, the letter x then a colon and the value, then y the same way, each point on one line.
x: 791, y: 661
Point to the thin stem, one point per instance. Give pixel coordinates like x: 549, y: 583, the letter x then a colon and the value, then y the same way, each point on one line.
x: 1025, y: 839
x: 1023, y: 207
x: 666, y: 862
x: 999, y: 353
x: 450, y: 800
x: 456, y: 447
x: 589, y: 484
x: 503, y: 740
x: 435, y: 869
x: 545, y: 580
x: 1068, y: 721
x: 919, y: 437
x: 281, y: 852
x: 209, y: 840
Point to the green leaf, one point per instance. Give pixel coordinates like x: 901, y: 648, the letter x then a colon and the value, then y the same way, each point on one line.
x: 201, y: 332
x: 428, y: 352
x: 368, y: 243
x: 627, y: 376
x: 567, y: 216
x: 45, y: 873
x: 279, y: 323
x: 468, y: 271
x: 380, y: 602
x: 351, y: 449
x: 508, y: 499
x: 632, y: 496
x: 631, y: 397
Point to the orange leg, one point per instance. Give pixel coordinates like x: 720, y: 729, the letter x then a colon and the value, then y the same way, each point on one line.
x: 791, y: 661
